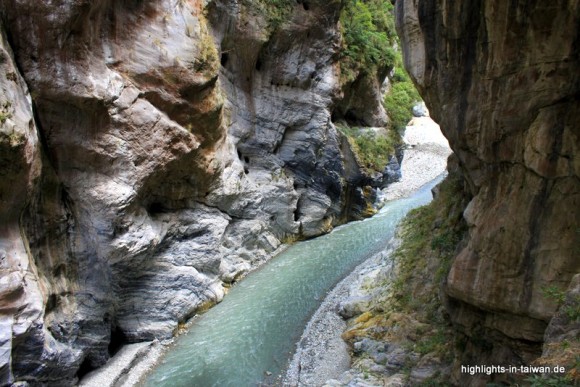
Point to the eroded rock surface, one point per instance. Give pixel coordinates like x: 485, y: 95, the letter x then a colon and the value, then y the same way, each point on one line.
x: 165, y: 148
x: 502, y: 80
x: 21, y: 298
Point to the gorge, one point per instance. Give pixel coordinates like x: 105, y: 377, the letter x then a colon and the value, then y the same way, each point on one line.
x: 251, y: 334
x: 154, y: 152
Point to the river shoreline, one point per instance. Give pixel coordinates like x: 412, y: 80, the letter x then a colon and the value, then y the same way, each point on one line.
x: 132, y: 363
x: 321, y: 354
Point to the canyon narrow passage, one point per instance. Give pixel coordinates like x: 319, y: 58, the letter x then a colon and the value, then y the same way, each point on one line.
x: 249, y: 338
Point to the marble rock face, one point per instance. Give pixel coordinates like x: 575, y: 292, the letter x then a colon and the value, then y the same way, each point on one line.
x: 502, y: 80
x: 152, y: 151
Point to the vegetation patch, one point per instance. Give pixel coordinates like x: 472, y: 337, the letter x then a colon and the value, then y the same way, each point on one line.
x: 371, y: 148
x: 4, y: 116
x: 370, y: 46
x: 565, y: 352
x: 571, y: 309
x: 207, y: 62
x: 369, y: 35
x: 430, y: 236
x: 550, y: 381
x: 276, y: 12
x: 401, y: 98
x: 4, y: 112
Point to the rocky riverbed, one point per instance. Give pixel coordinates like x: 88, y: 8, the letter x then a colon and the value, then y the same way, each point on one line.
x: 322, y: 357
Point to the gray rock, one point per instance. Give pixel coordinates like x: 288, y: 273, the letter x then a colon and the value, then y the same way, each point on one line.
x: 420, y: 110
x: 427, y: 367
x: 396, y: 359
x: 171, y: 156
x: 392, y: 172
x: 354, y: 305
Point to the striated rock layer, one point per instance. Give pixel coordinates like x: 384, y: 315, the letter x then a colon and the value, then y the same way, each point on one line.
x: 502, y: 80
x: 152, y: 151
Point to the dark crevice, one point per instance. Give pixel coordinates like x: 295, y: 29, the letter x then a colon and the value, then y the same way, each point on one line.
x: 224, y: 59
x: 282, y: 140
x: 59, y: 270
x: 118, y: 340
x: 85, y: 367
x: 231, y: 215
x: 51, y: 303
x: 156, y: 208
x: 352, y: 119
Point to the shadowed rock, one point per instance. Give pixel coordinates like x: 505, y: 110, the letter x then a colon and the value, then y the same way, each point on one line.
x: 502, y: 80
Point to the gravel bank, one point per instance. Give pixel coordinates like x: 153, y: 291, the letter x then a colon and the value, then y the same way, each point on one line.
x: 424, y: 159
x: 322, y: 358
x: 321, y: 354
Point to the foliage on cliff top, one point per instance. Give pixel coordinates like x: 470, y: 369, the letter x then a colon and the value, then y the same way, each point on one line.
x: 371, y: 149
x: 369, y: 34
x: 370, y: 46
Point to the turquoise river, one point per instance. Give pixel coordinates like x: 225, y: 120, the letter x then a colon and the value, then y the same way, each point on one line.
x: 249, y: 338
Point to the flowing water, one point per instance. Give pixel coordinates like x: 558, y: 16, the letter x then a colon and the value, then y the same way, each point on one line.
x: 249, y: 338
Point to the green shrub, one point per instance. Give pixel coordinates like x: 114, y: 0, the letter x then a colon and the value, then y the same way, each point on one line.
x: 372, y: 150
x: 433, y: 343
x: 554, y: 293
x: 573, y: 310
x: 277, y: 11
x: 368, y: 37
x: 368, y: 29
x: 400, y: 100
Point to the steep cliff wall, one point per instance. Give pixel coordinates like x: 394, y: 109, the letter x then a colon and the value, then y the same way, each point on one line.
x: 502, y: 80
x: 165, y: 149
